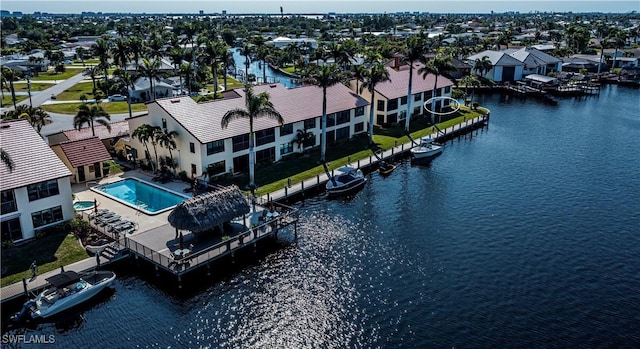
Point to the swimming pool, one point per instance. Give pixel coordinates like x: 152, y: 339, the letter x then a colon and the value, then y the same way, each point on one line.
x: 141, y: 195
x: 83, y: 205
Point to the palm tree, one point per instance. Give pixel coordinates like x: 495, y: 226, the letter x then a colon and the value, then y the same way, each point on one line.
x: 324, y: 77
x: 136, y: 47
x: 120, y: 52
x: 90, y: 115
x: 227, y: 61
x: 358, y: 72
x: 36, y: 117
x: 483, y: 65
x: 470, y: 80
x: 128, y: 80
x: 101, y: 49
x: 256, y: 106
x: 93, y: 73
x: 246, y: 51
x: 415, y: 50
x: 6, y: 159
x: 165, y: 139
x: 10, y: 75
x: 145, y: 135
x: 80, y: 53
x: 211, y: 54
x: 436, y: 66
x: 176, y: 55
x: 151, y: 69
x: 377, y: 74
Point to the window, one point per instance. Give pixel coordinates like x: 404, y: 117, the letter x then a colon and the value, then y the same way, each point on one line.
x: 380, y: 119
x: 381, y: 105
x: 241, y: 163
x: 393, y: 104
x: 403, y: 100
x: 359, y: 111
x: 417, y: 97
x: 46, y: 217
x: 310, y: 123
x: 447, y: 89
x: 266, y: 156
x: 342, y: 133
x: 216, y: 168
x: 192, y: 147
x: 164, y: 123
x: 265, y: 136
x: 240, y: 142
x: 286, y: 130
x: 331, y: 120
x: 343, y: 117
x: 11, y: 230
x: 359, y: 127
x: 427, y: 95
x: 43, y: 190
x: 92, y: 169
x: 215, y: 147
x: 8, y: 202
x: 286, y: 148
x: 194, y: 169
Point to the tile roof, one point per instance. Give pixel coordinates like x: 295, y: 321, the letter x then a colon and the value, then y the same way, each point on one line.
x: 532, y: 57
x: 118, y: 129
x: 85, y: 151
x: 399, y: 82
x: 33, y: 160
x: 296, y: 104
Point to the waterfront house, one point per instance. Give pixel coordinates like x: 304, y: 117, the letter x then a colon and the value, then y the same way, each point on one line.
x: 391, y: 96
x: 85, y: 158
x: 282, y: 42
x: 536, y: 61
x: 36, y: 193
x: 503, y: 66
x: 142, y: 89
x: 202, y: 144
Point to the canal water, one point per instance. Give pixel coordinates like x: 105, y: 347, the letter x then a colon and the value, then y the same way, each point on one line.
x: 526, y: 235
x: 255, y: 67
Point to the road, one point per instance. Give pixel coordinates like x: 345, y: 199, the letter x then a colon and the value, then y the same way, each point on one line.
x: 61, y: 122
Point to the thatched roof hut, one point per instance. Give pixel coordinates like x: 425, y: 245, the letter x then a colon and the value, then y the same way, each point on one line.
x: 205, y: 212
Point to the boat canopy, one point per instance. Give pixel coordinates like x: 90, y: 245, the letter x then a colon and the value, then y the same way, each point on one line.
x: 346, y: 169
x: 426, y: 140
x: 63, y: 279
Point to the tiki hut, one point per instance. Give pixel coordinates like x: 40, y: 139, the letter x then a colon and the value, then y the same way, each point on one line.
x: 208, y: 211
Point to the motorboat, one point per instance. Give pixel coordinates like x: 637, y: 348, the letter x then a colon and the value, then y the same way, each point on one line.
x: 386, y: 168
x: 427, y: 148
x: 345, y: 179
x: 66, y: 290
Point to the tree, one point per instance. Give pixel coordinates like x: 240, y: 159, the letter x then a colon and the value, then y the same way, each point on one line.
x: 483, y: 65
x: 377, y: 74
x: 101, y: 49
x: 176, y: 55
x: 436, y: 66
x: 145, y: 135
x: 415, y: 50
x: 80, y: 53
x: 6, y: 159
x: 256, y: 106
x: 128, y: 80
x: 36, y: 117
x: 227, y: 61
x: 151, y: 69
x: 165, y: 139
x: 90, y: 115
x: 470, y: 80
x: 211, y: 54
x: 246, y: 51
x: 357, y: 72
x: 324, y: 77
x: 10, y: 75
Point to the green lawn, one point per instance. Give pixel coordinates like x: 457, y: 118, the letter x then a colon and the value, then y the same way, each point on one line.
x: 73, y: 93
x: 7, y: 101
x: 50, y: 252
x: 56, y: 76
x: 231, y: 84
x: 276, y: 176
x: 110, y: 107
x: 35, y: 86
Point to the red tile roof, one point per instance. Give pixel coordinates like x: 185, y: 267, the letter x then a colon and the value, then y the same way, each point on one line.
x: 296, y: 104
x: 118, y: 129
x: 399, y: 82
x: 33, y: 160
x: 85, y: 151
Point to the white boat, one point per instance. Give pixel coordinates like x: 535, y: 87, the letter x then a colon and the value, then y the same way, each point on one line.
x: 426, y: 149
x: 345, y: 179
x: 66, y: 290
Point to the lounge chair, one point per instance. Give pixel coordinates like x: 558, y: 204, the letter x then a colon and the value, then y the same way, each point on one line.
x: 118, y: 225
x: 101, y: 212
x: 104, y: 217
x: 109, y: 220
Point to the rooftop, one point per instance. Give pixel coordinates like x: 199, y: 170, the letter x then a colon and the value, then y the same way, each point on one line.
x: 85, y: 151
x: 33, y: 160
x: 396, y: 87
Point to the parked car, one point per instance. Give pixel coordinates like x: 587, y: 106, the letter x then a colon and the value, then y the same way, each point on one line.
x: 117, y: 98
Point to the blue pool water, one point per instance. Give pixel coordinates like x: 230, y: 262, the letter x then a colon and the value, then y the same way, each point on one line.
x: 82, y: 205
x: 140, y: 195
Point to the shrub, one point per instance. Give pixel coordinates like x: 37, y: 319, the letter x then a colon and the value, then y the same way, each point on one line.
x: 182, y: 175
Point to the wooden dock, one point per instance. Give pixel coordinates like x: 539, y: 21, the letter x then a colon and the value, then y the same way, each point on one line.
x: 296, y: 190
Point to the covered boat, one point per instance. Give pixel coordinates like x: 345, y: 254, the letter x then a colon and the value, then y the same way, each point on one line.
x: 426, y: 149
x: 345, y: 180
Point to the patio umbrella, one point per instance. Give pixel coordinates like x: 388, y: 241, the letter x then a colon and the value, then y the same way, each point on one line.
x: 181, y: 239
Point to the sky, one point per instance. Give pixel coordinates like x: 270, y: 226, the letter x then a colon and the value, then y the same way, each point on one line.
x: 317, y: 6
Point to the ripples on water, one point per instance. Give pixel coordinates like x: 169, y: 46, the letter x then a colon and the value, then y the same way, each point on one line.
x: 525, y: 235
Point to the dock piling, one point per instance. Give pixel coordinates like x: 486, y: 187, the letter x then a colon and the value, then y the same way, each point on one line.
x: 24, y: 285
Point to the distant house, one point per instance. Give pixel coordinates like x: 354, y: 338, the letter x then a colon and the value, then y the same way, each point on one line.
x: 536, y: 61
x: 119, y: 130
x: 391, y: 96
x: 142, y: 90
x: 37, y: 192
x: 462, y: 68
x: 282, y: 42
x: 204, y: 146
x: 85, y: 158
x: 503, y: 66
